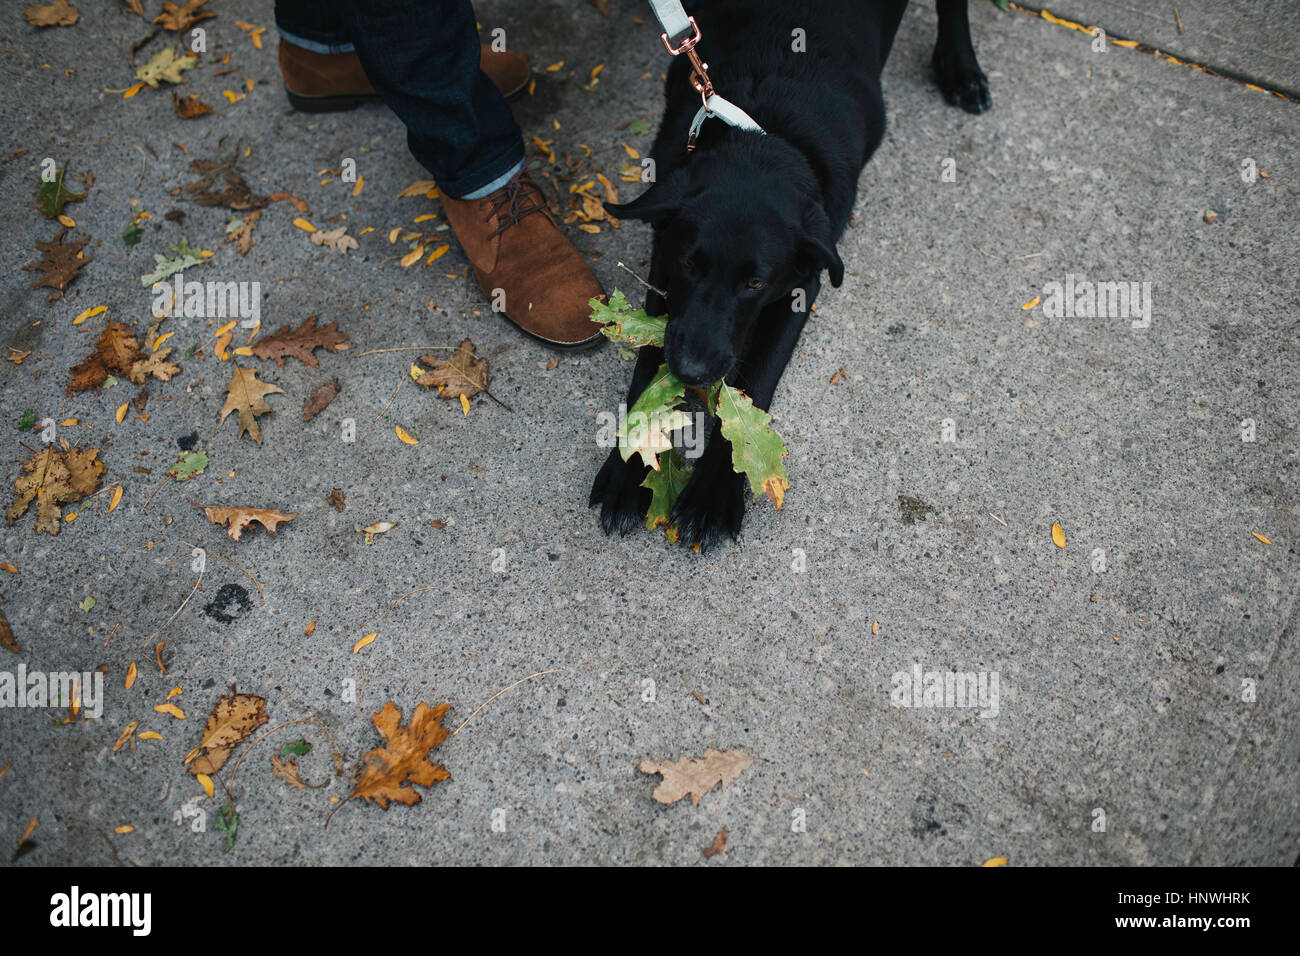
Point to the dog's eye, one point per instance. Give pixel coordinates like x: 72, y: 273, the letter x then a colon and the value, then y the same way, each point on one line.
x: 688, y: 264
x: 756, y: 283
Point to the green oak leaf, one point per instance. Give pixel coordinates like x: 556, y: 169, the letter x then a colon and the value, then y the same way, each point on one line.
x: 132, y: 233
x: 228, y: 823
x: 665, y: 484
x: 87, y: 603
x: 639, y: 128
x: 188, y: 464
x: 165, y: 67
x: 756, y: 450
x: 622, y: 323
x: 164, y: 267
x: 53, y: 196
x: 26, y: 421
x: 299, y: 748
x: 654, y: 413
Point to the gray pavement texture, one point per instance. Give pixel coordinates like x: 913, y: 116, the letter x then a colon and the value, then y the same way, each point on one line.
x: 1157, y: 696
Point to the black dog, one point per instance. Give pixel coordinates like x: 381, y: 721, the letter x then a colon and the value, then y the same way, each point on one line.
x: 745, y: 224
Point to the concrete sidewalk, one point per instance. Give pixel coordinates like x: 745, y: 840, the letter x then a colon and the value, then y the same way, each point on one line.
x: 1146, y: 712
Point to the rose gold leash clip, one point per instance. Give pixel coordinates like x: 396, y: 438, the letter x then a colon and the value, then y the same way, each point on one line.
x: 699, y: 69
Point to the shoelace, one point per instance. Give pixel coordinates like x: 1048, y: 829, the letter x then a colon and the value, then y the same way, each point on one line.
x: 516, y: 201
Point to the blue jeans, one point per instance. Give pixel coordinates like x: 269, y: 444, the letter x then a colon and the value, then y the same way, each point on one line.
x: 422, y: 58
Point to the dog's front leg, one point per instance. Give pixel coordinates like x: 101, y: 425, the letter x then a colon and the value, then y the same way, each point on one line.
x: 713, y: 502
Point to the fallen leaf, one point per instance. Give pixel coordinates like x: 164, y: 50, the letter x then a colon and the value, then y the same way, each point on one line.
x: 336, y: 239
x: 244, y: 394
x: 1058, y: 536
x: 240, y: 231
x: 117, y: 351
x: 299, y: 343
x: 61, y: 264
x: 365, y: 641
x: 180, y: 18
x: 60, y: 13
x: 718, y: 845
x: 696, y: 777
x: 125, y: 736
x: 184, y: 256
x: 188, y: 464
x: 165, y: 67
x: 459, y: 374
x: 287, y: 770
x: 1261, y: 537
x: 421, y: 187
x: 756, y: 450
x: 155, y: 365
x: 170, y: 710
x: 54, y: 478
x: 379, y: 527
x: 404, y: 759
x: 405, y: 437
x: 205, y: 782
x: 236, y: 195
x: 235, y: 520
x: 234, y: 717
x: 297, y: 203
x: 7, y: 635
x: 320, y: 399
x: 995, y: 861
x: 190, y: 107
x: 51, y: 197
x: 131, y: 673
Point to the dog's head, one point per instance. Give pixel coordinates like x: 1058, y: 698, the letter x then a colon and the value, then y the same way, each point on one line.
x: 734, y: 238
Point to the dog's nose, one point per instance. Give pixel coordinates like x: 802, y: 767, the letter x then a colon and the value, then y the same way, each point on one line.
x: 697, y: 371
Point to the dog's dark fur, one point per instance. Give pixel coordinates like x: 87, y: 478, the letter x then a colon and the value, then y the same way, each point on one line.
x: 745, y: 220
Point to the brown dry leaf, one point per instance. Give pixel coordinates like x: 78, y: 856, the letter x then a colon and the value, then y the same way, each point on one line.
x: 718, y: 845
x: 125, y: 737
x: 319, y: 399
x: 287, y: 770
x: 61, y: 264
x: 244, y: 395
x: 379, y: 527
x: 7, y: 635
x: 838, y: 377
x: 190, y: 107
x: 405, y: 758
x: 336, y: 239
x: 60, y: 13
x: 135, y: 7
x: 237, y: 519
x: 336, y: 499
x: 117, y: 352
x: 54, y: 478
x: 157, y: 366
x: 235, y: 196
x: 179, y: 19
x: 696, y: 777
x: 233, y: 718
x: 421, y: 187
x: 301, y: 342
x: 460, y: 374
x: 242, y: 234
x: 298, y: 204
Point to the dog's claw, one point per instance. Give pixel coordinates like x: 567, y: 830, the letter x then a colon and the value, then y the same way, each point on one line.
x: 962, y: 84
x: 617, y: 489
x: 711, y: 507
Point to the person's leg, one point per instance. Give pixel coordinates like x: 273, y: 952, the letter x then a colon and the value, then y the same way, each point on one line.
x: 315, y: 25
x: 422, y: 57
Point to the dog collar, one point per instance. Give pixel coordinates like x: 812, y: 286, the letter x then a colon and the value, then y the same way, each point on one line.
x: 725, y: 110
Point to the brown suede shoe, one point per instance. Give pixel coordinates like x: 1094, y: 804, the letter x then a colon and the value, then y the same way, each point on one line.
x: 516, y: 247
x: 329, y: 82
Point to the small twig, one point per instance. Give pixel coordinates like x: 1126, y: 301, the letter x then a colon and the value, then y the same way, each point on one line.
x: 498, y: 694
x: 155, y: 491
x: 1179, y: 21
x: 642, y: 281
x: 98, y: 141
x: 390, y: 400
x: 429, y: 587
x: 197, y: 584
x: 410, y: 348
x: 111, y: 633
x: 111, y: 847
x: 230, y: 794
x: 998, y: 520
x: 1032, y: 255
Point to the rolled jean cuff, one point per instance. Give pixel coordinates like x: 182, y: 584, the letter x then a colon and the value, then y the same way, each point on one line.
x: 481, y: 182
x: 340, y: 45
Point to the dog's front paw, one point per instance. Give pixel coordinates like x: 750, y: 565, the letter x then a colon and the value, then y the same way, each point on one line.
x: 617, y: 489
x: 961, y: 81
x: 711, y: 506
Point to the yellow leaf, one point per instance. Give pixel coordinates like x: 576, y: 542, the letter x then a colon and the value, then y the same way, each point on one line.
x: 161, y: 339
x: 1058, y: 536
x: 366, y: 230
x: 392, y: 236
x: 116, y: 499
x: 171, y: 710
x: 555, y: 66
x: 248, y: 85
x: 124, y: 829
x: 630, y: 151
x: 361, y: 184
x: 121, y: 412
x: 365, y: 641
x: 222, y: 345
x: 130, y: 675
x: 243, y: 350
x: 67, y: 221
x: 995, y: 861
x: 1261, y: 537
x: 205, y: 782
x: 436, y: 254
x: 174, y: 692
x: 464, y: 404
x: 69, y: 422
x: 89, y: 314
x: 402, y: 434
x: 225, y: 328
x: 426, y: 217
x: 595, y: 73
x: 416, y: 372
x: 150, y: 735
x: 589, y: 227
x: 304, y: 225
x: 411, y: 258
x: 232, y: 95
x: 1031, y: 303
x: 130, y: 91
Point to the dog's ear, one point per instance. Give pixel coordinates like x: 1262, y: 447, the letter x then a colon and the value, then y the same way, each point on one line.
x: 817, y: 245
x: 656, y: 204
